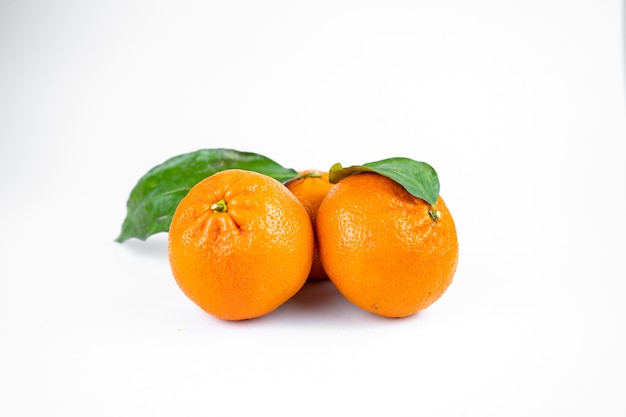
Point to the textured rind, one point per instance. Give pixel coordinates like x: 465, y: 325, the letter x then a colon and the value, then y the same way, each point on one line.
x: 381, y: 248
x: 245, y: 262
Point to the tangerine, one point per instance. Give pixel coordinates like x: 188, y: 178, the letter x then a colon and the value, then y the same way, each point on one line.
x: 310, y: 188
x: 386, y: 251
x: 240, y: 244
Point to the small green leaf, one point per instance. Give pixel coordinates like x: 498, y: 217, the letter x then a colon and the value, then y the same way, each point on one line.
x: 418, y: 178
x: 153, y: 201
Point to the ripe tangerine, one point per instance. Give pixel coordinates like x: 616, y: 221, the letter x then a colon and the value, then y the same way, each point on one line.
x: 387, y: 251
x: 240, y: 244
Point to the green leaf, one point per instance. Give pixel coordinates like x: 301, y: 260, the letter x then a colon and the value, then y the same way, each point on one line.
x: 153, y: 201
x: 418, y: 178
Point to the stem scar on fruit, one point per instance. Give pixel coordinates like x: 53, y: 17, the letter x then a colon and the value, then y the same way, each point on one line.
x: 220, y: 206
x: 434, y: 214
x: 311, y: 174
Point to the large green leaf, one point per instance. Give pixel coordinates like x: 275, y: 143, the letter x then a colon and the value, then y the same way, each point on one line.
x: 153, y: 201
x: 418, y: 178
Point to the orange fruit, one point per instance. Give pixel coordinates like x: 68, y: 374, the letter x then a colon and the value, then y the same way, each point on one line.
x: 240, y: 244
x: 311, y: 187
x: 382, y: 247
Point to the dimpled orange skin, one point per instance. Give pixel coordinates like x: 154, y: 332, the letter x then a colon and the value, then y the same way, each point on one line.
x: 310, y: 188
x: 381, y: 248
x: 247, y: 261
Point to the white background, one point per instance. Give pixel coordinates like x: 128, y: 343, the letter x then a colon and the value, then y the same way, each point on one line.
x: 518, y: 105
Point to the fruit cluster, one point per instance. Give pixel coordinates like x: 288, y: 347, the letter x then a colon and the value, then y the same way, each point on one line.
x: 246, y: 237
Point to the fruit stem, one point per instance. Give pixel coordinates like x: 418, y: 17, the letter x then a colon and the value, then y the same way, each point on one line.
x: 220, y: 206
x: 434, y: 214
x: 312, y: 174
